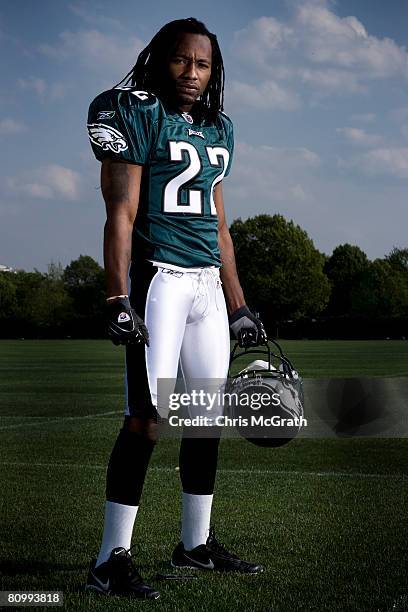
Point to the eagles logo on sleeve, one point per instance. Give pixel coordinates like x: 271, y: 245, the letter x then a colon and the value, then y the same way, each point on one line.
x: 107, y: 137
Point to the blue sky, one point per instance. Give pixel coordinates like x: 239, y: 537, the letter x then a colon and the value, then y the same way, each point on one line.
x: 317, y: 91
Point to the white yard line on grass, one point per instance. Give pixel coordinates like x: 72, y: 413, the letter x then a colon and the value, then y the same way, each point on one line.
x: 225, y: 471
x: 47, y: 420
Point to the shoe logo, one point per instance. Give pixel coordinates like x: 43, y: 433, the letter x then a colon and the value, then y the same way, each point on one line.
x: 119, y: 552
x: 123, y: 318
x: 209, y: 565
x: 103, y: 585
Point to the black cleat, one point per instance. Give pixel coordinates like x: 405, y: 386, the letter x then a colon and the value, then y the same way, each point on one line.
x: 212, y: 556
x: 227, y: 562
x: 119, y: 576
x: 198, y: 558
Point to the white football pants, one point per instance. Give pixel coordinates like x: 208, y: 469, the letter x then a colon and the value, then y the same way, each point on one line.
x: 186, y: 316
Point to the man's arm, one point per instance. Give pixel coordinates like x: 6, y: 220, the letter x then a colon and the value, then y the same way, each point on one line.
x: 120, y: 188
x: 234, y: 295
x: 247, y: 328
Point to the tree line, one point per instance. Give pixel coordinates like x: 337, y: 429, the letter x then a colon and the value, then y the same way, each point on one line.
x: 61, y: 302
x: 298, y: 291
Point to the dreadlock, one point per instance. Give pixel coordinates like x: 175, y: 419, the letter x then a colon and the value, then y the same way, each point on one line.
x: 147, y: 73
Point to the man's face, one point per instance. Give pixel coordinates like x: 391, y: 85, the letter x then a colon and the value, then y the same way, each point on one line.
x: 189, y: 69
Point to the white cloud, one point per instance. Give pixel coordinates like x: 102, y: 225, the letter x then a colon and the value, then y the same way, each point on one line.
x: 328, y: 54
x: 59, y: 90
x: 344, y: 42
x: 47, y: 182
x: 363, y: 117
x: 261, y: 39
x: 63, y: 181
x: 94, y: 18
x: 381, y: 162
x: 271, y: 174
x: 399, y: 114
x: 297, y: 192
x: 45, y: 91
x: 95, y: 50
x: 267, y: 95
x: 359, y: 137
x: 331, y: 81
x: 33, y: 84
x: 11, y: 126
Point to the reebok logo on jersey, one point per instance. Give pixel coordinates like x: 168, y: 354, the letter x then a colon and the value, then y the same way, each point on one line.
x: 107, y: 137
x: 194, y: 133
x: 123, y: 317
x: 105, y: 115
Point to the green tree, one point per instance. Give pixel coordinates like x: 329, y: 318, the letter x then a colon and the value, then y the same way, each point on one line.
x: 398, y: 259
x: 8, y: 299
x: 279, y: 267
x: 345, y: 270
x: 27, y: 284
x: 51, y: 305
x: 17, y: 312
x: 55, y: 271
x: 84, y: 280
x: 382, y: 291
x: 58, y: 302
x: 82, y: 271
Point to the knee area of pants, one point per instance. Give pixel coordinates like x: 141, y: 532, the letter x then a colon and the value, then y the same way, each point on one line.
x: 144, y: 428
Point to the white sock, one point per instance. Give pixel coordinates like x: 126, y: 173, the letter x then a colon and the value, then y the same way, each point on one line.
x: 118, y: 528
x: 195, y: 523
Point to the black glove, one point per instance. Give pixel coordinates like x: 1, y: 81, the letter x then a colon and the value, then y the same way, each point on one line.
x: 124, y: 325
x: 247, y: 328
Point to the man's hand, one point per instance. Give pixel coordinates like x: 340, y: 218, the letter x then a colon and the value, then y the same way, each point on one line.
x: 124, y: 325
x: 247, y: 329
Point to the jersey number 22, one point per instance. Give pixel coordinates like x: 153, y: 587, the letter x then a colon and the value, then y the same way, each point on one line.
x: 172, y: 202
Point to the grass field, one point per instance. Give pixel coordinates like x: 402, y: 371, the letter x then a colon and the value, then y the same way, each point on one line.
x: 327, y: 518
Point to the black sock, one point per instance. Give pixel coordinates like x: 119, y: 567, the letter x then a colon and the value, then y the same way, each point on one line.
x: 127, y: 467
x: 198, y: 464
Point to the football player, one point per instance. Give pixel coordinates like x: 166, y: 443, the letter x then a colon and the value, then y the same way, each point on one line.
x: 165, y: 147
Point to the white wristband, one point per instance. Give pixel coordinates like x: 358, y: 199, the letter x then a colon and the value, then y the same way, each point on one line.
x: 116, y: 297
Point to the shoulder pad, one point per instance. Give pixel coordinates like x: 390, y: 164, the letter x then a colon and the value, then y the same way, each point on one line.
x: 226, y: 125
x: 136, y: 96
x: 123, y: 121
x: 224, y: 118
x: 125, y: 96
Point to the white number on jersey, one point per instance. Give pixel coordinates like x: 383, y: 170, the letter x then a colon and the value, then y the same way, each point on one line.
x: 171, y: 191
x: 142, y: 95
x: 214, y: 154
x: 171, y: 202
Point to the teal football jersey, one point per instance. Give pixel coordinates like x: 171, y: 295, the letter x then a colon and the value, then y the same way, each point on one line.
x: 176, y: 222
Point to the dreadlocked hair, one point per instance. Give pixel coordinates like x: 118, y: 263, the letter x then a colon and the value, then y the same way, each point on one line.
x: 147, y: 73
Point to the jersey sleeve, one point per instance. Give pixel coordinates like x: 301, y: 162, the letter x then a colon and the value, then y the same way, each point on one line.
x: 122, y: 124
x: 229, y: 138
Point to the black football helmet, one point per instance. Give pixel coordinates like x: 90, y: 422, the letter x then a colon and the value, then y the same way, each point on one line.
x: 278, y: 419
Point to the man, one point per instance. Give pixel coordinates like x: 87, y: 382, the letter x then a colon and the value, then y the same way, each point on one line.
x: 165, y: 147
